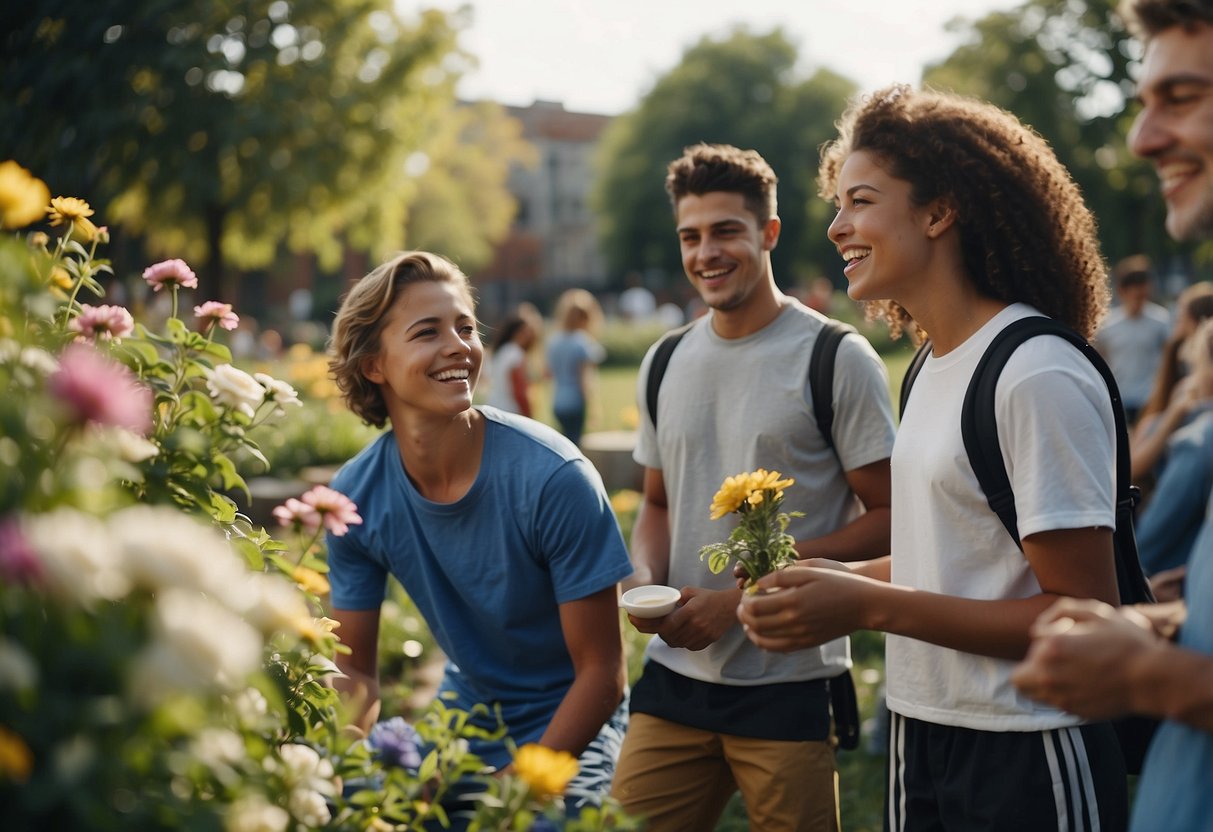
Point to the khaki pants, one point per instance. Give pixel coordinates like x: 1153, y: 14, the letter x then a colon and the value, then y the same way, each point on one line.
x: 679, y: 779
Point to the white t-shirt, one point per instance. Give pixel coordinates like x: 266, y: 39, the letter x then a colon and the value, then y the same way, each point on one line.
x: 1057, y: 435
x: 502, y: 364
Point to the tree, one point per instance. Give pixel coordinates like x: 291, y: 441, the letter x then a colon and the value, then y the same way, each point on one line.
x: 739, y: 90
x: 1064, y: 67
x: 238, y: 126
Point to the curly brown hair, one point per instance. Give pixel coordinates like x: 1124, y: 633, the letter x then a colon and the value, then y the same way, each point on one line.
x: 1025, y: 233
x: 1147, y: 18
x: 708, y: 168
x: 363, y: 314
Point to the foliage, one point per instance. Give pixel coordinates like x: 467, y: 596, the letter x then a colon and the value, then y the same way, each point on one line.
x: 738, y: 90
x: 164, y: 663
x: 1064, y: 67
x: 244, y: 125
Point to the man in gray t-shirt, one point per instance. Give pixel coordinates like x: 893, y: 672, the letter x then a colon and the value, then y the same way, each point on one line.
x: 712, y: 712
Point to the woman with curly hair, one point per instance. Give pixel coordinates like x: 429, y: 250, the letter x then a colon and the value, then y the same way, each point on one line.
x: 956, y: 220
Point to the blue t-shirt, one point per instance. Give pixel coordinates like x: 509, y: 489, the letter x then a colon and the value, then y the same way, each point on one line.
x: 1174, y: 791
x: 489, y: 571
x: 567, y: 352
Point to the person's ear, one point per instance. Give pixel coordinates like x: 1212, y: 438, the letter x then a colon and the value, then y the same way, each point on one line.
x: 770, y: 233
x: 941, y: 215
x: 372, y: 369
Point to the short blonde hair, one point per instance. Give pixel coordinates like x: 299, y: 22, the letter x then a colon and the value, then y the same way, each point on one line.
x: 359, y: 324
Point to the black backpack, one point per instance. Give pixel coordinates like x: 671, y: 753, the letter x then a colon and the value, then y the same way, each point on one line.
x: 979, y: 430
x: 843, y: 701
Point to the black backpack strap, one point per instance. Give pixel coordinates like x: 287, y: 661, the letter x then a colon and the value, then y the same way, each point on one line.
x: 658, y: 366
x: 821, y: 375
x: 912, y: 371
x: 979, y: 429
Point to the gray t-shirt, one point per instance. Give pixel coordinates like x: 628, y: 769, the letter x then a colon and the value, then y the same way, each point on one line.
x: 731, y: 406
x: 1133, y: 348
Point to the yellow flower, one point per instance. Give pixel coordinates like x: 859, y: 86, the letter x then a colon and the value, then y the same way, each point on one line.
x: 311, y: 581
x: 545, y: 770
x: 16, y: 760
x: 747, y: 488
x: 85, y: 229
x: 23, y: 197
x: 68, y: 209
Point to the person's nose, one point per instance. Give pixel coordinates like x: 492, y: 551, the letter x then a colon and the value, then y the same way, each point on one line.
x: 1149, y: 135
x: 839, y: 228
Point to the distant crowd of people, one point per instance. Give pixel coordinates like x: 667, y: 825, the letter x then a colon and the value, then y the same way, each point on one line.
x: 1009, y: 661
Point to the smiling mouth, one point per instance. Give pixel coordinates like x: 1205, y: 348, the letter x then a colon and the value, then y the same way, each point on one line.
x: 452, y: 375
x: 855, y: 256
x: 714, y: 274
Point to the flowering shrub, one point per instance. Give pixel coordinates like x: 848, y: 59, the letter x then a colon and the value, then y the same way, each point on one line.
x: 760, y: 543
x: 163, y: 661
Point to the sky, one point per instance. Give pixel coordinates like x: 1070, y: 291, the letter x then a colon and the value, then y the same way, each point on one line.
x: 601, y: 56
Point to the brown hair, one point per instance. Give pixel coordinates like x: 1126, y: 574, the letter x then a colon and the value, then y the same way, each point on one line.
x: 1196, y: 303
x: 708, y: 168
x: 1025, y: 233
x: 1147, y: 18
x: 363, y: 314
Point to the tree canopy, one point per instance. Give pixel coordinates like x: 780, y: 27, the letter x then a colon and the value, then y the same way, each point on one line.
x: 743, y: 90
x: 243, y: 126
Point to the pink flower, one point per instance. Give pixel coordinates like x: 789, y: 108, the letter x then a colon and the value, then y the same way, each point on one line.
x: 297, y: 513
x: 170, y: 272
x: 19, y: 563
x: 102, y: 322
x: 220, y: 313
x: 99, y: 390
x: 336, y: 510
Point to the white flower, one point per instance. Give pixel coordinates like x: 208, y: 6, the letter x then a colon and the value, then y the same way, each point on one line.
x: 278, y: 392
x: 131, y: 447
x: 17, y: 670
x: 217, y: 747
x: 165, y: 548
x: 235, y: 389
x: 79, y: 555
x: 303, y: 766
x: 309, y: 808
x: 39, y: 360
x: 250, y: 705
x: 276, y: 605
x: 197, y: 644
x: 254, y: 814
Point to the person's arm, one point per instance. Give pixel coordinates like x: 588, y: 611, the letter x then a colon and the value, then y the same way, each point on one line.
x: 867, y: 536
x: 1100, y: 662
x: 825, y: 604
x: 591, y: 632
x: 702, y: 615
x: 1148, y: 441
x: 519, y: 386
x: 359, y: 631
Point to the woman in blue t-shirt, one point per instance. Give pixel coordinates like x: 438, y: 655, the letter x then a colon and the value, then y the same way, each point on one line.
x: 495, y: 525
x: 572, y: 355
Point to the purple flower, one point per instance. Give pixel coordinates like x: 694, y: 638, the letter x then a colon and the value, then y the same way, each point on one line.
x: 170, y: 272
x: 396, y: 743
x: 102, y: 322
x: 220, y: 313
x: 99, y: 390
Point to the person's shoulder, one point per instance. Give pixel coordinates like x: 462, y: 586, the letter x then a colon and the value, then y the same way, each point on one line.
x: 363, y: 465
x: 533, y: 441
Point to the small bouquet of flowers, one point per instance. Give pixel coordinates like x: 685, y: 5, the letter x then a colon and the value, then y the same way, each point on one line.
x: 760, y: 543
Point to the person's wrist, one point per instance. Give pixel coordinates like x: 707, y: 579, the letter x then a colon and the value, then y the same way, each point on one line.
x: 1142, y: 667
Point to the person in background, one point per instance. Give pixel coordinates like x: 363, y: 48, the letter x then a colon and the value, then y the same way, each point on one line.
x: 1170, y: 399
x: 911, y: 173
x: 1133, y: 336
x: 1168, y: 525
x: 572, y: 355
x: 711, y: 713
x: 509, y: 376
x: 1093, y: 659
x: 496, y: 526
